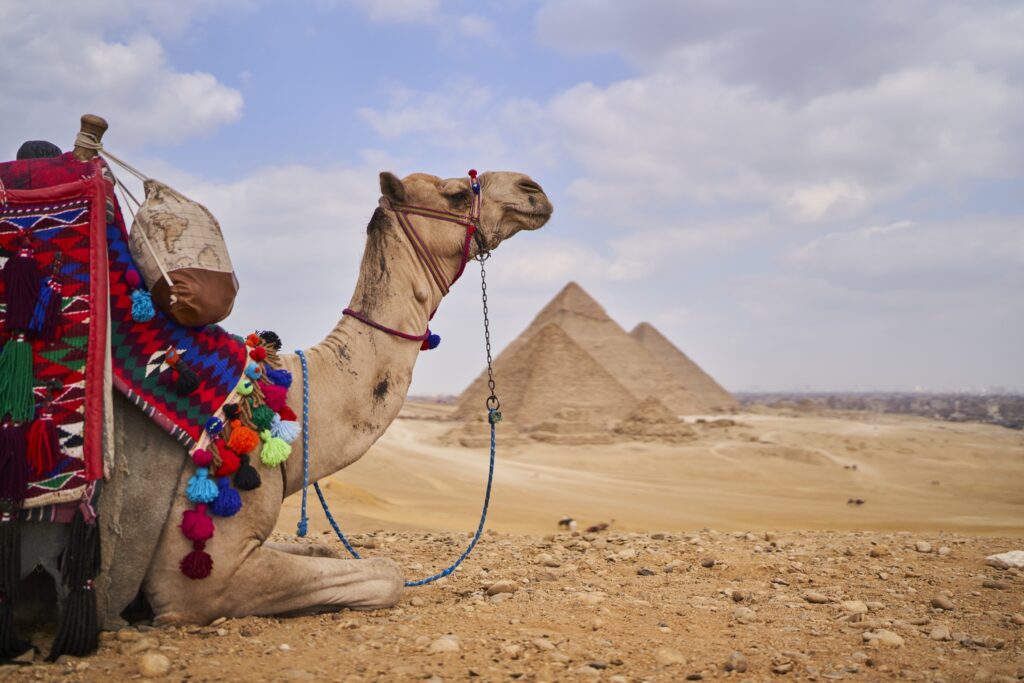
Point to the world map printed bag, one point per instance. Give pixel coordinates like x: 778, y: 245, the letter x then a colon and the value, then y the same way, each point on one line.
x: 180, y: 252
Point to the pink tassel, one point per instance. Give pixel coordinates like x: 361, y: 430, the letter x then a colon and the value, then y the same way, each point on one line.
x: 196, y: 524
x: 275, y: 397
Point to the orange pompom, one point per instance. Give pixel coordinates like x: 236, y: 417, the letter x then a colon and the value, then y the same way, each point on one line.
x: 242, y: 440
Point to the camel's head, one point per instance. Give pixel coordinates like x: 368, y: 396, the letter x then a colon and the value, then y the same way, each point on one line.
x: 510, y: 202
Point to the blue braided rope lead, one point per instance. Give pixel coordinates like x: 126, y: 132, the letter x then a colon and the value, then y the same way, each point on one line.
x: 304, y: 519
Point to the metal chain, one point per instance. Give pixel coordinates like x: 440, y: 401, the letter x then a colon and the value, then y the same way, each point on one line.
x: 493, y: 404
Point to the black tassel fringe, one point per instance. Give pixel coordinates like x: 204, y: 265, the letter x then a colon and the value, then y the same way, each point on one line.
x: 78, y: 631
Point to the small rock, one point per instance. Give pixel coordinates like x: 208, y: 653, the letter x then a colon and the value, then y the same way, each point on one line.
x: 782, y: 668
x: 503, y: 586
x: 666, y: 656
x: 707, y: 563
x: 153, y: 665
x: 738, y: 596
x: 737, y: 662
x: 1017, y: 619
x: 878, y: 551
x: 644, y: 571
x: 598, y: 665
x: 543, y: 644
x: 126, y: 635
x: 995, y: 585
x: 596, y: 624
x: 444, y: 644
x: 854, y: 606
x: 816, y: 598
x: 944, y: 550
x: 942, y: 602
x: 137, y: 647
x: 940, y: 632
x: 744, y: 615
x: 1013, y: 558
x: 923, y: 547
x: 417, y: 602
x: 284, y: 647
x: 883, y: 637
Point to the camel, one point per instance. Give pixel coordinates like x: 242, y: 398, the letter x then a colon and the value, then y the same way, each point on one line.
x: 358, y: 379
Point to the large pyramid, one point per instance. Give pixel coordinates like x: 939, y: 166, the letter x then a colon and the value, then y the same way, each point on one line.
x: 594, y: 365
x: 688, y: 373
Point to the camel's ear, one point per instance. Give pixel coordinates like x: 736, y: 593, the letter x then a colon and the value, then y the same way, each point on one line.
x: 391, y: 187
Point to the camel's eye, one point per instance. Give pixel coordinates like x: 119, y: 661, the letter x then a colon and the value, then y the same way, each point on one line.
x: 457, y: 199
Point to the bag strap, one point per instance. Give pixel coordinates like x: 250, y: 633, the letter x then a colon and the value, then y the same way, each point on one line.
x: 89, y: 141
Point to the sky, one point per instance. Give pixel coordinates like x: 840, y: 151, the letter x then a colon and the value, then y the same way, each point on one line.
x: 801, y: 195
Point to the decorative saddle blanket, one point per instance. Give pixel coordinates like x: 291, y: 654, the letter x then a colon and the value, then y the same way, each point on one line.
x: 216, y: 393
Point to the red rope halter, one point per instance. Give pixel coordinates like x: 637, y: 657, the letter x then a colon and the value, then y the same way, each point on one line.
x: 429, y: 261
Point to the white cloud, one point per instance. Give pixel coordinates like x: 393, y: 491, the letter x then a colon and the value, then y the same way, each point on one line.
x: 60, y: 64
x: 400, y: 11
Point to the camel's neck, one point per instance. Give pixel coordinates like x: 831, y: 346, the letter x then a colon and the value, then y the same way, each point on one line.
x: 359, y: 376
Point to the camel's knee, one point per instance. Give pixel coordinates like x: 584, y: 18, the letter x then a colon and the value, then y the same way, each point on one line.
x: 385, y: 577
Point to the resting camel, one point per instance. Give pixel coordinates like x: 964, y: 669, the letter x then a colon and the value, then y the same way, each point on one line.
x: 358, y: 378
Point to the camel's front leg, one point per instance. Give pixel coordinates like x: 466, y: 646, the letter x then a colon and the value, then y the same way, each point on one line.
x: 270, y: 582
x: 306, y: 549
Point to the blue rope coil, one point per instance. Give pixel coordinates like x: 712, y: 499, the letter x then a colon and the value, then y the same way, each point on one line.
x: 493, y: 417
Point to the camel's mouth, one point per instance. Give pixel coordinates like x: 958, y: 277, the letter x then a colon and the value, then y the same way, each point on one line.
x: 533, y: 217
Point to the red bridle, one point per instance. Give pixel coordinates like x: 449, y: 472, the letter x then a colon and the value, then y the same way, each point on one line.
x: 429, y: 261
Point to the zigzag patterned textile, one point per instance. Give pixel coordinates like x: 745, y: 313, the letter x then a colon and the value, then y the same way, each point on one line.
x: 65, y: 226
x: 139, y: 349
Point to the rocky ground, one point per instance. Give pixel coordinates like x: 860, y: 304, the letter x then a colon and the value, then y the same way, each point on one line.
x: 817, y: 606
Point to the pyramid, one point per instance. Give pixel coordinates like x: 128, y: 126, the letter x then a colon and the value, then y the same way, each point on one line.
x: 650, y: 420
x: 543, y: 374
x: 683, y: 369
x: 610, y: 353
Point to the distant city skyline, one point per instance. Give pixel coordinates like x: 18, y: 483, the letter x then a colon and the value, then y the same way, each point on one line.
x: 798, y: 194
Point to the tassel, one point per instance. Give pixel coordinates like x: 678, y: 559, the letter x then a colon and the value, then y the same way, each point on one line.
x: 16, y: 380
x: 242, y: 439
x: 229, y: 463
x: 285, y: 430
x: 287, y: 414
x: 43, y: 445
x: 201, y: 457
x: 197, y: 564
x: 46, y: 316
x: 275, y: 451
x: 10, y: 572
x: 431, y: 342
x: 200, y: 489
x: 228, y: 501
x: 270, y: 339
x: 247, y: 478
x: 281, y: 378
x: 274, y: 396
x: 231, y: 411
x: 259, y: 354
x: 21, y: 285
x: 196, y: 524
x: 142, y: 306
x: 214, y: 426
x: 78, y: 631
x: 262, y: 418
x: 186, y: 381
x: 254, y: 371
x: 14, y: 469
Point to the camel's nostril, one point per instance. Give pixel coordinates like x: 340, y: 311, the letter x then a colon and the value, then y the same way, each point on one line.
x: 529, y: 186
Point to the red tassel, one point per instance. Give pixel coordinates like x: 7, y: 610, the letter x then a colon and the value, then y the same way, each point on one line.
x: 274, y: 396
x: 43, y: 445
x: 287, y: 414
x: 196, y: 524
x: 197, y: 564
x: 21, y: 285
x: 229, y: 462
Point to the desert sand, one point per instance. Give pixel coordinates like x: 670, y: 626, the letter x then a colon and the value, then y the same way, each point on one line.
x: 733, y: 555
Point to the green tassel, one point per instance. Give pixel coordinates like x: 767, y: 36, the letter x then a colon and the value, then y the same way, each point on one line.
x: 16, y: 380
x: 275, y: 451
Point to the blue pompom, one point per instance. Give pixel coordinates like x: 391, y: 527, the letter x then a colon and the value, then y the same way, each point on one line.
x: 142, y: 306
x: 254, y: 371
x: 433, y: 341
x: 286, y: 430
x: 214, y: 426
x: 200, y: 488
x: 228, y: 502
x: 281, y: 378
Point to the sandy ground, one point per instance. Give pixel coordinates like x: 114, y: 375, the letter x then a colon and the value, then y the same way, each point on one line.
x: 737, y: 550
x: 770, y: 471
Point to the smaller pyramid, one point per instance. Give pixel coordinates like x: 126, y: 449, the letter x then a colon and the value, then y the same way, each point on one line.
x: 547, y: 371
x: 683, y: 369
x: 650, y: 420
